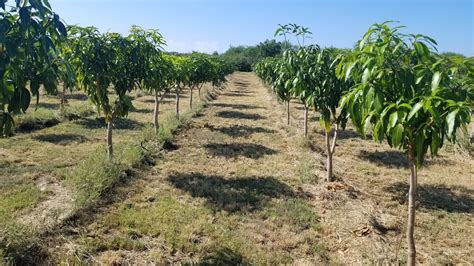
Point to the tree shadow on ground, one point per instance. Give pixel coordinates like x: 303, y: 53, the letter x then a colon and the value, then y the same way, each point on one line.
x: 28, y: 126
x: 54, y: 106
x: 142, y: 111
x: 76, y: 96
x: 61, y: 139
x: 238, y: 94
x: 234, y: 150
x: 242, y: 130
x: 223, y: 256
x: 122, y: 123
x: 153, y: 100
x: 238, y: 106
x: 436, y: 197
x: 241, y: 84
x: 232, y: 195
x: 239, y: 115
x: 391, y: 159
x: 341, y: 134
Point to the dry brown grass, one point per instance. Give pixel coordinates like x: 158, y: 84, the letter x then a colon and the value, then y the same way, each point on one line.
x: 365, y: 213
x: 239, y: 186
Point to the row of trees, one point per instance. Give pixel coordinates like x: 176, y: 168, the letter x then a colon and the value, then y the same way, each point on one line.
x: 392, y: 85
x: 38, y: 50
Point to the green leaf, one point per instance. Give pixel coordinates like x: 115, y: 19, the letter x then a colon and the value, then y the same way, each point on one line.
x: 349, y: 69
x: 393, y: 119
x: 365, y: 76
x: 435, y: 80
x: 451, y: 121
x: 420, y: 147
x: 414, y: 110
x: 436, y: 143
x: 397, y: 135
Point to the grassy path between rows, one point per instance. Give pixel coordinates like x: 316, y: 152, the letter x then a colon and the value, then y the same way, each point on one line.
x: 239, y: 186
x: 225, y: 192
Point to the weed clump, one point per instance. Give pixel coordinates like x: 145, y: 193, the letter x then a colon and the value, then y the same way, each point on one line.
x: 92, y: 178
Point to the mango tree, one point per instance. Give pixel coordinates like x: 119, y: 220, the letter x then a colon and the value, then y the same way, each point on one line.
x: 202, y: 69
x: 302, y: 64
x: 283, y: 85
x: 405, y: 93
x: 66, y: 71
x: 266, y: 70
x: 182, y: 70
x: 29, y: 33
x: 103, y: 60
x: 154, y: 71
x: 200, y: 73
x: 291, y: 65
x: 219, y: 70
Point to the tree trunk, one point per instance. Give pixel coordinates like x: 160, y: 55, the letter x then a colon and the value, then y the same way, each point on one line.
x: 110, y: 148
x: 177, y: 104
x: 156, y: 112
x: 328, y: 158
x: 288, y: 112
x: 330, y: 149
x: 191, y: 98
x: 199, y: 91
x: 411, y: 208
x: 62, y: 100
x: 305, y: 121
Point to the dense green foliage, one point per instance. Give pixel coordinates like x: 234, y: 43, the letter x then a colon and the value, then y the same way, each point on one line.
x: 37, y: 49
x: 29, y: 33
x: 405, y: 90
x: 244, y: 57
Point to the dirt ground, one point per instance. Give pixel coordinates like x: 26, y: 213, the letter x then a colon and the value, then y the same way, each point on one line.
x: 239, y: 186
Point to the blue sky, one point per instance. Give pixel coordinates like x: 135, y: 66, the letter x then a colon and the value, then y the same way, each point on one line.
x: 214, y: 25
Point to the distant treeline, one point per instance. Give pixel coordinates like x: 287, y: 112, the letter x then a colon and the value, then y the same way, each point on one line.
x: 243, y: 57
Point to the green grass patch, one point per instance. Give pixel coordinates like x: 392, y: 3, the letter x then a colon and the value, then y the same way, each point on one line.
x: 181, y: 226
x: 76, y: 111
x: 294, y: 212
x: 16, y: 240
x: 36, y: 119
x: 17, y: 198
x: 121, y: 242
x: 97, y: 174
x: 18, y: 243
x: 305, y: 171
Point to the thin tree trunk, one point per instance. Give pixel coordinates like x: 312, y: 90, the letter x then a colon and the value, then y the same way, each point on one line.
x: 177, y: 104
x: 156, y: 112
x: 62, y: 100
x: 305, y: 121
x: 411, y: 208
x: 288, y: 112
x: 110, y: 148
x: 330, y: 149
x: 191, y: 98
x: 199, y: 90
x: 328, y: 158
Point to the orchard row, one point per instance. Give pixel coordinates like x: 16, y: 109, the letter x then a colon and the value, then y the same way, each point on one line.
x: 38, y: 51
x: 392, y: 85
